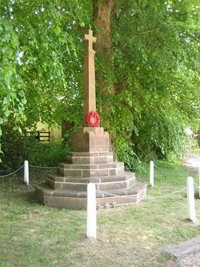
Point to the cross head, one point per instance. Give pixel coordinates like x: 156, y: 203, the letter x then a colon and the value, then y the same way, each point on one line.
x: 91, y: 39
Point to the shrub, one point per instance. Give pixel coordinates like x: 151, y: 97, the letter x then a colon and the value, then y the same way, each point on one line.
x: 17, y: 148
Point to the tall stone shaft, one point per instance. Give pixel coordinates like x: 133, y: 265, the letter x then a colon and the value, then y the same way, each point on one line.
x: 89, y: 94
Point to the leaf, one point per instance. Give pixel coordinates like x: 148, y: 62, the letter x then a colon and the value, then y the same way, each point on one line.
x: 57, y: 30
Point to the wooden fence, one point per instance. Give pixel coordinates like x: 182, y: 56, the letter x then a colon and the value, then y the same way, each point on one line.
x: 40, y: 136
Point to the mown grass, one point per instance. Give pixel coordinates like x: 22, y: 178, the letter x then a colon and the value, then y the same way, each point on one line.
x: 36, y: 235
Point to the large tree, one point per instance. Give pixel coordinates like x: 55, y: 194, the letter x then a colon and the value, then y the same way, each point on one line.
x: 152, y: 84
x: 147, y: 67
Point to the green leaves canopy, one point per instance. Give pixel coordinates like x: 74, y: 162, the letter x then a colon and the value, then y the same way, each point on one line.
x: 41, y: 47
x: 154, y: 70
x: 156, y: 56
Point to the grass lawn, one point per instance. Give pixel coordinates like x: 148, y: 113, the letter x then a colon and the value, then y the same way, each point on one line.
x: 36, y: 235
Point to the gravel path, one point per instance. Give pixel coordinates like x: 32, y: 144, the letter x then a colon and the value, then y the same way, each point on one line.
x: 192, y: 260
x: 192, y: 162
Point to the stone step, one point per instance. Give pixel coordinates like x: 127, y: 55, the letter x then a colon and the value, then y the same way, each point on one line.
x: 115, y: 185
x: 57, y: 178
x: 122, y: 199
x: 73, y: 186
x: 110, y: 165
x: 78, y: 200
x: 80, y: 184
x: 83, y: 186
x: 98, y: 179
x: 100, y: 194
x: 86, y: 170
x: 90, y: 154
x: 89, y: 158
x: 134, y: 189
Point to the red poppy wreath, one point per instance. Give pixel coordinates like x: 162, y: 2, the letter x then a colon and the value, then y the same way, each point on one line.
x: 93, y: 119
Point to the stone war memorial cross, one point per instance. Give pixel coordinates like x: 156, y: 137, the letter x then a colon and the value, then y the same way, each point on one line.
x: 91, y: 160
x: 89, y: 94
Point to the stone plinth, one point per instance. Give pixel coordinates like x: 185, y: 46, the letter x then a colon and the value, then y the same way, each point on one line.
x: 90, y: 139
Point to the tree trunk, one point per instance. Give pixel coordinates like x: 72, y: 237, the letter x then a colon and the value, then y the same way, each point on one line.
x: 102, y: 18
x: 102, y: 12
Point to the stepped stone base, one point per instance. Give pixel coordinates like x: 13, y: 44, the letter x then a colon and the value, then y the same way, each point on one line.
x: 78, y: 200
x: 67, y: 188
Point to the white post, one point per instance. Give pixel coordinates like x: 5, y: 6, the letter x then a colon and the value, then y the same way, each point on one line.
x: 190, y: 199
x: 26, y: 172
x: 91, y: 210
x: 151, y: 173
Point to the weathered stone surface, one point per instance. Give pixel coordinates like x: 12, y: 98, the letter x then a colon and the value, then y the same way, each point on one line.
x: 101, y: 179
x: 90, y: 154
x: 110, y: 165
x: 114, y: 186
x: 90, y: 139
x: 185, y: 248
x: 81, y: 185
x: 90, y: 170
x: 90, y: 157
x: 89, y: 95
x: 77, y: 199
x: 74, y: 186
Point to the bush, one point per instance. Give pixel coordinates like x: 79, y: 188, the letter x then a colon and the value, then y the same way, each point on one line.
x: 48, y: 154
x: 125, y: 152
x: 17, y: 148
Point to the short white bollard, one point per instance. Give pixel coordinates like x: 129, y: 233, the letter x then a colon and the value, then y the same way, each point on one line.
x: 190, y: 199
x: 151, y: 173
x: 91, y: 211
x: 26, y: 172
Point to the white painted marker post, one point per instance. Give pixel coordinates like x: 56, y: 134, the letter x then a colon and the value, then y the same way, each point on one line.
x: 151, y: 173
x: 91, y: 211
x: 26, y: 172
x: 190, y: 199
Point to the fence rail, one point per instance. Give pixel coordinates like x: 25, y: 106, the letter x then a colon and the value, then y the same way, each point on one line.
x: 39, y: 135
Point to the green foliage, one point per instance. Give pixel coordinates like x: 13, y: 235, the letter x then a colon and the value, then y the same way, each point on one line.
x: 41, y: 47
x: 40, y: 54
x: 152, y: 79
x: 48, y: 154
x: 17, y: 148
x: 12, y: 95
x: 155, y: 73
